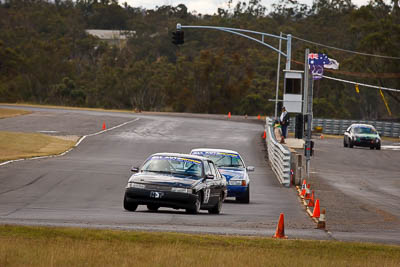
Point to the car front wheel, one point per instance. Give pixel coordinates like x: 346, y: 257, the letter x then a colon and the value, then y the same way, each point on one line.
x: 351, y: 144
x: 196, y: 206
x: 344, y: 142
x: 129, y: 206
x: 217, y: 208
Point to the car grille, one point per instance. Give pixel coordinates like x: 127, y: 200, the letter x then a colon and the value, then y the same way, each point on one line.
x: 158, y: 187
x: 366, y: 139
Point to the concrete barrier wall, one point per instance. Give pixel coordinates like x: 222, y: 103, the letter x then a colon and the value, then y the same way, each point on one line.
x: 279, y: 156
x: 389, y: 129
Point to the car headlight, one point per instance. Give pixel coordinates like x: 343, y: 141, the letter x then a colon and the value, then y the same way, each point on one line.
x: 135, y: 185
x: 181, y: 190
x: 237, y: 182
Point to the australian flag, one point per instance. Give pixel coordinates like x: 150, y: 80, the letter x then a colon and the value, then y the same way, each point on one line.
x: 318, y: 62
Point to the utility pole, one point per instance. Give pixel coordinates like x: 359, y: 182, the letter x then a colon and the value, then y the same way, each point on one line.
x: 288, y: 50
x: 307, y: 110
x: 277, y: 77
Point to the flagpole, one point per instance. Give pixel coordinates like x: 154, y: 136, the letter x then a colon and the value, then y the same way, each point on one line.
x: 307, y: 110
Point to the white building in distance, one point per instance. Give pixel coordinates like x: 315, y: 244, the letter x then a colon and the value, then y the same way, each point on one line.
x: 112, y: 37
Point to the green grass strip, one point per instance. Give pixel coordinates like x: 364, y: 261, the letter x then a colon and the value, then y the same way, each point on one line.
x: 42, y: 246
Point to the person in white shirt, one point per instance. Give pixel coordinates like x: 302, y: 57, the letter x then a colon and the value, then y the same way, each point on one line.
x: 284, y: 120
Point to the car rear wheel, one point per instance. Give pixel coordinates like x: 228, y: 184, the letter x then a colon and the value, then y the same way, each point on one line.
x: 217, y: 208
x: 196, y: 206
x: 378, y: 147
x: 129, y: 206
x: 153, y: 207
x: 351, y: 144
x: 344, y: 142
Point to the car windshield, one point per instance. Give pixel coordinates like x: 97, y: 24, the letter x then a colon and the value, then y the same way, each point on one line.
x: 222, y: 159
x: 181, y: 166
x: 364, y: 130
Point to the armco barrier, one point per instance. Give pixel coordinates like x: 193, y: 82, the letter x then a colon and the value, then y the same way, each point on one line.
x: 389, y: 129
x: 278, y: 155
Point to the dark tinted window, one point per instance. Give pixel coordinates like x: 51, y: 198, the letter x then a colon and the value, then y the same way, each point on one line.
x: 364, y: 130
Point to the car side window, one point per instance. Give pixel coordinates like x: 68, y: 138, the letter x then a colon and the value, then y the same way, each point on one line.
x: 213, y: 171
x: 207, y: 169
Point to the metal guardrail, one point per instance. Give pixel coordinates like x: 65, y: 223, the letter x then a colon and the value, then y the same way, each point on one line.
x: 278, y: 155
x: 329, y: 126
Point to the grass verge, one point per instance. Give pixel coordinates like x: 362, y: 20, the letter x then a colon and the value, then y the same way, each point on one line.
x: 15, y: 145
x: 41, y: 246
x: 8, y: 113
x: 66, y: 107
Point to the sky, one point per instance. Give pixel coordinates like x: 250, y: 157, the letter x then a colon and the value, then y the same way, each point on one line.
x: 210, y: 6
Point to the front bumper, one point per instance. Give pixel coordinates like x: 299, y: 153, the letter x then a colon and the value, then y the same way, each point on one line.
x: 161, y: 198
x: 236, y: 190
x: 366, y: 142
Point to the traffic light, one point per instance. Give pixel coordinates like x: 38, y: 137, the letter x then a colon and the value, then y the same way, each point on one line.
x: 310, y: 148
x: 178, y: 37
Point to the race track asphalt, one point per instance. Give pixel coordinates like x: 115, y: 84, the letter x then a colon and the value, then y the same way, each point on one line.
x: 359, y: 187
x: 85, y: 187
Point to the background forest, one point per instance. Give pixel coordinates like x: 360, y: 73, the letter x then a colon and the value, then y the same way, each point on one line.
x: 47, y: 57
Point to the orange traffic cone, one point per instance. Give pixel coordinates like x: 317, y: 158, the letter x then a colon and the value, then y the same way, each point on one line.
x: 104, y: 125
x: 264, y: 135
x: 321, y: 221
x: 280, y: 228
x: 229, y: 115
x: 311, y: 201
x: 259, y: 117
x: 316, y: 212
x: 303, y: 188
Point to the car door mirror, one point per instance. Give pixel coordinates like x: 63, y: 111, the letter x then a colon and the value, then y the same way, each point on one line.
x: 210, y: 176
x: 250, y: 168
x: 134, y: 169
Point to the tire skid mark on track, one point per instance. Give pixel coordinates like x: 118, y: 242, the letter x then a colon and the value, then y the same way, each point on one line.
x: 28, y: 204
x: 22, y: 186
x: 76, y: 145
x: 153, y: 129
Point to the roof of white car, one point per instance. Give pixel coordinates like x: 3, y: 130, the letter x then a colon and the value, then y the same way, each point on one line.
x: 180, y: 155
x: 362, y: 125
x: 215, y: 150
